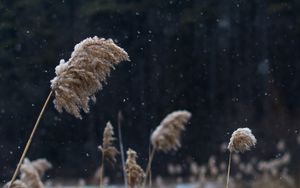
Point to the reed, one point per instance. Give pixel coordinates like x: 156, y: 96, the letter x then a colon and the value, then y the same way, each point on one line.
x: 31, y: 174
x: 241, y: 140
x: 108, y: 151
x: 120, y: 119
x: 78, y: 80
x: 135, y: 174
x: 167, y: 135
x: 15, y: 184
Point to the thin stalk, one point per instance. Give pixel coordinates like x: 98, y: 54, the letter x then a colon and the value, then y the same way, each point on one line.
x: 150, y: 172
x: 148, y: 169
x: 228, y: 171
x: 102, y: 171
x: 30, y: 139
x: 120, y: 118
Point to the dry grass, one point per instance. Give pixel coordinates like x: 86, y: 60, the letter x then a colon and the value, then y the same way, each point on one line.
x: 76, y: 83
x: 253, y: 173
x: 31, y: 174
x: 135, y: 174
x: 78, y: 79
x: 16, y: 184
x: 241, y: 140
x: 166, y: 136
x: 108, y: 151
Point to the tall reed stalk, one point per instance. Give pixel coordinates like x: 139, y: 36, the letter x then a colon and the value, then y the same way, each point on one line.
x: 228, y: 170
x: 241, y: 140
x: 78, y: 80
x: 30, y: 140
x: 166, y: 136
x: 109, y: 152
x: 120, y: 118
x: 150, y: 172
x: 148, y: 169
x: 102, y: 171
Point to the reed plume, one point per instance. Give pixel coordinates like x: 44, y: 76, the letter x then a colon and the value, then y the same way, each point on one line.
x: 16, y: 184
x: 166, y: 136
x: 135, y: 174
x: 30, y: 176
x: 109, y: 152
x: 41, y: 166
x: 107, y: 148
x: 78, y: 80
x: 241, y: 140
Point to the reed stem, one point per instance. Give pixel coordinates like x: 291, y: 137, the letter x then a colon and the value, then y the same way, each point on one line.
x: 148, y: 169
x: 150, y: 172
x: 120, y: 118
x: 228, y: 171
x: 30, y: 139
x: 102, y: 171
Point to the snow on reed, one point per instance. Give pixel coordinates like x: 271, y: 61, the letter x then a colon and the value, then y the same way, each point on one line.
x: 78, y: 79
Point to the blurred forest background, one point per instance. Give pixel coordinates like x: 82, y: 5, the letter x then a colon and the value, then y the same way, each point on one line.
x: 231, y: 63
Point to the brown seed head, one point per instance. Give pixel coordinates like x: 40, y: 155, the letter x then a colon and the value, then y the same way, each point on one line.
x: 78, y: 79
x: 109, y: 151
x: 241, y: 140
x: 167, y: 135
x: 30, y: 176
x: 16, y: 184
x: 41, y: 166
x: 135, y: 174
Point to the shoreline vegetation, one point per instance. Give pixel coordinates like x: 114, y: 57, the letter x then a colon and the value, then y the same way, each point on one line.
x: 76, y: 83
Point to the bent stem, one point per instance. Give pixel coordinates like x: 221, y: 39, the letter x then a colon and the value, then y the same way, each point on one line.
x: 120, y: 118
x: 148, y: 169
x: 30, y: 139
x: 228, y: 171
x: 102, y: 171
x: 150, y: 173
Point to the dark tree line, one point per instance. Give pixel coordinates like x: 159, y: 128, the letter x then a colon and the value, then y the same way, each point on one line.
x: 231, y: 63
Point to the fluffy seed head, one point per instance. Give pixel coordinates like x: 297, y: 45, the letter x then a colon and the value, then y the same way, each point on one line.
x: 78, y: 79
x: 41, y: 166
x: 30, y: 176
x: 109, y: 151
x: 241, y: 140
x: 135, y: 174
x: 16, y: 184
x: 167, y: 135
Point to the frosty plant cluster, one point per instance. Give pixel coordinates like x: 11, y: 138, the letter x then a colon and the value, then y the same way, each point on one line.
x: 76, y: 83
x: 78, y: 79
